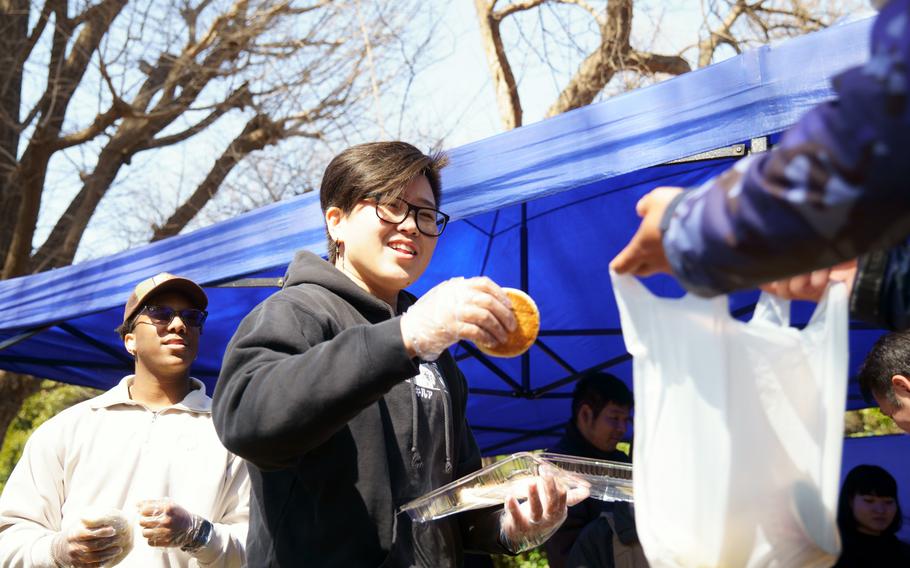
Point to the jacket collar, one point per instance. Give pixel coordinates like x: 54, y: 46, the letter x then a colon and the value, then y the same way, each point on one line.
x: 195, y: 401
x: 575, y: 441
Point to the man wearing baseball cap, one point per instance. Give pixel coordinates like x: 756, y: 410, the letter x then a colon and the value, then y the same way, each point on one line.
x: 136, y: 475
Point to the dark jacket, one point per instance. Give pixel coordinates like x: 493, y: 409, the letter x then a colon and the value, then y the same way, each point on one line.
x: 864, y: 551
x: 594, y: 546
x: 341, y: 428
x: 580, y: 515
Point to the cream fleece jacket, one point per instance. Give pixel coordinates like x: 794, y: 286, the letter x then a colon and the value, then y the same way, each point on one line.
x: 112, y: 452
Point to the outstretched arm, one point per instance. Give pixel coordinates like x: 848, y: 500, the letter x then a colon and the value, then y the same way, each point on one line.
x: 833, y: 189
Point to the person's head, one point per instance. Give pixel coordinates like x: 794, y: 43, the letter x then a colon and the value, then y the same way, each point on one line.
x: 868, y: 502
x: 602, y: 409
x: 162, y: 322
x: 380, y: 201
x: 885, y: 376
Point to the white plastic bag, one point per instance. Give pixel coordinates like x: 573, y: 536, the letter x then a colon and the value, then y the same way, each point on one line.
x: 738, y: 429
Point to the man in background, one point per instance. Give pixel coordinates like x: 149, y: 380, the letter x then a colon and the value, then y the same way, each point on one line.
x: 885, y: 376
x: 137, y: 474
x: 601, y: 415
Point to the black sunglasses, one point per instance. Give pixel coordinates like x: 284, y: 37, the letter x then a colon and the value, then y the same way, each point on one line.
x: 165, y: 315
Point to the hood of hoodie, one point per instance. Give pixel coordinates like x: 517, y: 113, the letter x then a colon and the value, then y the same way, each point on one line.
x: 308, y: 268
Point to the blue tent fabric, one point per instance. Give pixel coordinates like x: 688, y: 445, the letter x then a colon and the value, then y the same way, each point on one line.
x: 544, y: 208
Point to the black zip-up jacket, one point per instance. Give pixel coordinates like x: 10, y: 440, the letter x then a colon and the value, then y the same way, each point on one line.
x: 341, y: 428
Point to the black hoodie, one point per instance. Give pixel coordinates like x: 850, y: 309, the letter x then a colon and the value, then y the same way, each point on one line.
x: 341, y: 428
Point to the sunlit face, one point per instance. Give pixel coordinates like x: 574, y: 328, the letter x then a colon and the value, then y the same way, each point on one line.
x: 383, y: 257
x: 607, y: 428
x: 873, y: 514
x: 164, y: 349
x: 900, y: 412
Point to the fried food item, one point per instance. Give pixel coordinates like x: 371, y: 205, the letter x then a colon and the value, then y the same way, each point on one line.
x: 525, y: 333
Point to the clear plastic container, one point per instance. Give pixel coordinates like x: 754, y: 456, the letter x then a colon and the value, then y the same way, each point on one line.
x: 511, y: 477
x: 607, y: 480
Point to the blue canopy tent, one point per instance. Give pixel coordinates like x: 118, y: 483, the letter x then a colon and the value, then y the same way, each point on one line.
x: 544, y: 208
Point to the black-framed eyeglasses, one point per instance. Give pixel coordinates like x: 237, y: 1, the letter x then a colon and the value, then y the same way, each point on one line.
x: 164, y: 315
x: 431, y: 222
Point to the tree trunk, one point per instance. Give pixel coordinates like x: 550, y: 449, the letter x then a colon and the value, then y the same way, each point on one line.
x: 13, y: 36
x: 14, y: 389
x: 500, y: 69
x: 63, y: 240
x: 601, y: 65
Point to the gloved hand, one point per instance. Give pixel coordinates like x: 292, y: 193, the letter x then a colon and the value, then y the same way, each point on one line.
x: 81, y: 546
x: 531, y: 523
x: 165, y: 523
x: 475, y: 309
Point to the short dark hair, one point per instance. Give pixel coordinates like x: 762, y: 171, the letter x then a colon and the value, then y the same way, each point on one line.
x: 376, y: 168
x: 866, y: 480
x: 888, y: 357
x: 597, y: 390
x: 128, y: 325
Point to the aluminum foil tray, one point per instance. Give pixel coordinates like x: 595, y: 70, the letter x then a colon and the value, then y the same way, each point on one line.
x: 511, y: 477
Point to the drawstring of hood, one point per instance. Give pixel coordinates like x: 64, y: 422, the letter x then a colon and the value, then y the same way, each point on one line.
x: 445, y: 413
x: 416, y: 460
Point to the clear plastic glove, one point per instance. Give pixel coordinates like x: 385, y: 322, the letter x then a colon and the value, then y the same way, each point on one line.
x: 534, y: 521
x: 475, y: 309
x: 100, y: 544
x: 165, y: 523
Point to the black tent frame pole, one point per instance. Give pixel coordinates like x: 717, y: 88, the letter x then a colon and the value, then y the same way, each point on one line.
x: 22, y: 337
x: 526, y: 357
x: 520, y: 435
x: 116, y: 354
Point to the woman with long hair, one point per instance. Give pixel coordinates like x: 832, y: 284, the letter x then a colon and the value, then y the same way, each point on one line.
x: 869, y: 516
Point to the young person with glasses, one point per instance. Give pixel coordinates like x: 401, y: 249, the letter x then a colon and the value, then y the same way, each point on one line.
x: 145, y: 448
x: 340, y: 391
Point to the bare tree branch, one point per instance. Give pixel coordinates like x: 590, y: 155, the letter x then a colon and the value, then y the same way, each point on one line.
x: 259, y: 132
x: 600, y: 66
x: 31, y: 171
x: 239, y: 99
x: 653, y: 63
x: 500, y: 69
x: 500, y: 15
x: 160, y: 76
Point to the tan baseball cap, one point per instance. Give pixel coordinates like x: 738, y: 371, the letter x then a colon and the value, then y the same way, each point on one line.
x: 164, y: 282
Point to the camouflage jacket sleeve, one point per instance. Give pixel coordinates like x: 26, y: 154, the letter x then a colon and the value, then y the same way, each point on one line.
x: 835, y: 187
